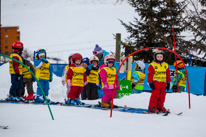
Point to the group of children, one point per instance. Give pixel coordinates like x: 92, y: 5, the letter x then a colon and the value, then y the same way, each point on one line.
x: 85, y: 76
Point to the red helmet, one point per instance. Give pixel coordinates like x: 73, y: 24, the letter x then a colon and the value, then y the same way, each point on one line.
x: 76, y: 56
x: 17, y: 46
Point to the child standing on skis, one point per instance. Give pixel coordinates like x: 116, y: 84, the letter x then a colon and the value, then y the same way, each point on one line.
x: 181, y: 77
x: 28, y: 80
x: 85, y: 64
x: 159, y: 81
x: 15, y: 70
x: 64, y: 74
x: 76, y: 79
x: 108, y: 75
x: 92, y: 73
x: 43, y: 72
x: 138, y: 77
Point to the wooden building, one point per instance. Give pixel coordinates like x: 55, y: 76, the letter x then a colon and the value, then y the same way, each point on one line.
x: 9, y: 35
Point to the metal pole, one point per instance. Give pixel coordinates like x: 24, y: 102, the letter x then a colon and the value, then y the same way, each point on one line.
x: 118, y: 46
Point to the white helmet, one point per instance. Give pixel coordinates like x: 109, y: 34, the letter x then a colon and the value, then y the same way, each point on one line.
x: 140, y: 64
x: 93, y: 58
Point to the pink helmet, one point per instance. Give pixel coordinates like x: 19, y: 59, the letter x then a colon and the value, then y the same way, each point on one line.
x: 70, y: 55
x: 108, y: 57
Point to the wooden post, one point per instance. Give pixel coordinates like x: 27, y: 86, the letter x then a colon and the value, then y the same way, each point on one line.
x: 118, y: 46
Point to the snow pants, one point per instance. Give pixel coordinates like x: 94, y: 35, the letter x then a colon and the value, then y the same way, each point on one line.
x: 108, y: 95
x: 92, y: 93
x: 45, y: 86
x: 75, y: 92
x: 28, y: 83
x: 158, y: 95
x: 16, y: 85
x: 84, y: 93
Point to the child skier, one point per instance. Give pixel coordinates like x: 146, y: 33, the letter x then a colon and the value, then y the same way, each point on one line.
x: 181, y: 77
x: 15, y: 70
x: 92, y: 73
x: 28, y: 80
x: 76, y: 79
x: 159, y: 80
x: 138, y: 77
x: 85, y: 64
x: 64, y: 74
x: 43, y: 72
x: 107, y: 75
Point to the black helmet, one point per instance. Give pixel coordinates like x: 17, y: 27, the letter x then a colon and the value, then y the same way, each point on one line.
x: 159, y: 52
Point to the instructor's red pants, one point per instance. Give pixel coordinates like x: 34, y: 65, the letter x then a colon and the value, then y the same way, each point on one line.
x: 158, y: 95
x: 75, y: 92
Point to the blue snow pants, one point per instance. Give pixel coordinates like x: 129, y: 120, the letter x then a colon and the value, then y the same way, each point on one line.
x: 16, y: 85
x: 45, y: 86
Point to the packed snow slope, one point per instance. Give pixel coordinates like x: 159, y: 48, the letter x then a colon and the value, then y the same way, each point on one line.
x: 35, y: 120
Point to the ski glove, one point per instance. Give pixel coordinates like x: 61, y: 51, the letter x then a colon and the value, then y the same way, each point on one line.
x: 85, y: 83
x: 106, y: 86
x: 17, y: 76
x: 50, y: 80
x: 152, y: 86
x: 133, y: 85
x: 90, y: 66
x: 44, y: 60
x: 69, y: 82
x: 168, y: 86
x: 33, y: 79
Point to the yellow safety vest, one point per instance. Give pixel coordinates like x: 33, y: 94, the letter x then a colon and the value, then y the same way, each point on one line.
x: 111, y: 75
x: 78, y: 76
x: 26, y: 73
x: 93, y: 76
x: 182, y: 80
x: 11, y: 65
x: 67, y: 68
x: 159, y: 71
x: 43, y: 71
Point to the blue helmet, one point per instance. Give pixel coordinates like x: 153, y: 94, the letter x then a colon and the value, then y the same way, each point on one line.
x: 85, y: 60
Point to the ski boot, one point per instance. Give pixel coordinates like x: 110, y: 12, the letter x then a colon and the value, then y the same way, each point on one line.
x: 163, y: 110
x: 47, y: 98
x: 20, y: 99
x: 70, y: 102
x: 110, y: 102
x: 39, y: 99
x: 77, y: 102
x: 104, y: 105
x: 11, y: 98
x: 153, y: 110
x: 30, y: 97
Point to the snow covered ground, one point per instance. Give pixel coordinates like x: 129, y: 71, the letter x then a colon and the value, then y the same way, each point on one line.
x: 35, y: 120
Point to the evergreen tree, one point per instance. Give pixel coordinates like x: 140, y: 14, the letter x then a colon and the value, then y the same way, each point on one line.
x: 153, y: 27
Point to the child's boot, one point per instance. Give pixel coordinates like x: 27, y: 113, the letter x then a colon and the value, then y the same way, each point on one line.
x: 110, y: 102
x: 153, y: 110
x: 20, y: 99
x: 163, y: 110
x: 12, y: 98
x: 70, y: 102
x: 39, y: 99
x: 77, y: 102
x: 104, y: 105
x: 47, y: 98
x: 30, y: 97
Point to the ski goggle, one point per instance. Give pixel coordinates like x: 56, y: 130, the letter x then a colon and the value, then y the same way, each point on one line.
x: 98, y: 52
x: 111, y: 61
x: 41, y: 51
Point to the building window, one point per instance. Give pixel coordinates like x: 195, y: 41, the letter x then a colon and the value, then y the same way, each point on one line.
x: 6, y: 41
x: 6, y: 47
x: 6, y: 36
x: 6, y: 30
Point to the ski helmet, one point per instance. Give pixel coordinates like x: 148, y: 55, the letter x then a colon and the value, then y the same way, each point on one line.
x: 76, y: 56
x: 179, y: 64
x: 17, y: 46
x: 94, y: 58
x: 85, y: 60
x: 140, y: 64
x: 159, y: 52
x: 70, y: 56
x: 40, y: 52
x: 108, y: 57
